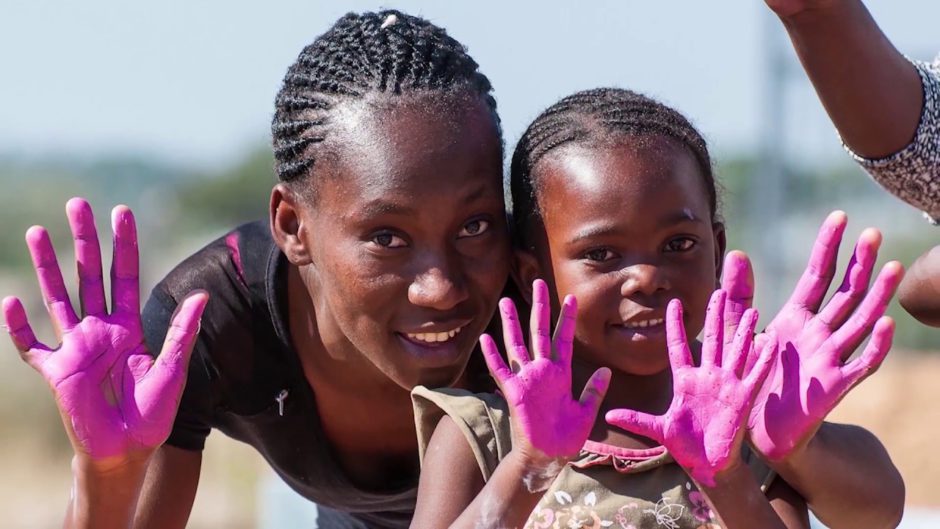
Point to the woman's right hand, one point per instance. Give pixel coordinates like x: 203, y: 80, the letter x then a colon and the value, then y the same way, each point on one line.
x: 789, y: 8
x: 549, y: 425
x: 116, y: 400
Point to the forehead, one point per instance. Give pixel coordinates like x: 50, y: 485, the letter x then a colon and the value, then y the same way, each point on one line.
x: 406, y: 150
x: 632, y: 175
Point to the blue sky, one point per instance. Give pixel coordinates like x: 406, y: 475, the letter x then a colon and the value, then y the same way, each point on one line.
x: 193, y: 81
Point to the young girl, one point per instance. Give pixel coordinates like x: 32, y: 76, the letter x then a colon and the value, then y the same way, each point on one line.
x: 382, y: 261
x: 615, y: 204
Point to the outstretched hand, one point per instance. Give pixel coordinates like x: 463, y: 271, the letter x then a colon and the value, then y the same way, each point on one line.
x: 548, y: 423
x: 704, y: 426
x: 115, y: 399
x: 813, y: 371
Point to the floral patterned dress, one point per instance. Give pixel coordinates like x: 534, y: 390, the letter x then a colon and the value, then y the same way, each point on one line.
x: 604, y: 487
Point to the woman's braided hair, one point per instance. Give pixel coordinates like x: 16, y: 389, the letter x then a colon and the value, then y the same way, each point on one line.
x: 597, y: 115
x: 387, y: 52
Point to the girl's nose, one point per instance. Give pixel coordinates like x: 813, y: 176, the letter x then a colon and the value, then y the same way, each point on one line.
x: 645, y: 279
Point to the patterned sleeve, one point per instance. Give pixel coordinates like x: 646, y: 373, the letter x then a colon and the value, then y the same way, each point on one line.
x: 913, y: 173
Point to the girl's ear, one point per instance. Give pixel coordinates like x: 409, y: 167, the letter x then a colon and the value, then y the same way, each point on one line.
x: 525, y: 270
x: 721, y: 244
x: 287, y: 225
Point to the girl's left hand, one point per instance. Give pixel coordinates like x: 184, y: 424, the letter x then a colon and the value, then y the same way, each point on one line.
x: 704, y: 426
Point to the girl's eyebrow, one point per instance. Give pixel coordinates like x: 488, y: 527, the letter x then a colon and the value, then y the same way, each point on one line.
x: 600, y: 230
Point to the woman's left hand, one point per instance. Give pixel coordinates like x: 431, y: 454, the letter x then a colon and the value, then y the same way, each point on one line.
x: 813, y: 372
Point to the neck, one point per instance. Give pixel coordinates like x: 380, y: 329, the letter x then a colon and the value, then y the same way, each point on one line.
x: 368, y: 419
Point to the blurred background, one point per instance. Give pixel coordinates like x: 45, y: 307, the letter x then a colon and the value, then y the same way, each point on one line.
x: 166, y: 107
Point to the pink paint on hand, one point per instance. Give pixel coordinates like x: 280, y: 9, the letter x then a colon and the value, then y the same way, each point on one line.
x: 548, y: 423
x: 705, y: 425
x: 813, y: 372
x: 114, y: 397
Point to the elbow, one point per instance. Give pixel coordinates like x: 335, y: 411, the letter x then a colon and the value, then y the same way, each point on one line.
x: 919, y: 292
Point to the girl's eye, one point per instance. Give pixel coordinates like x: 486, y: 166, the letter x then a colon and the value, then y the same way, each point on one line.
x: 473, y: 228
x: 388, y: 240
x: 681, y: 244
x: 599, y: 255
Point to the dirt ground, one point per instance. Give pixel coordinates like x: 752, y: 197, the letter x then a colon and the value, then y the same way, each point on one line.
x: 901, y: 404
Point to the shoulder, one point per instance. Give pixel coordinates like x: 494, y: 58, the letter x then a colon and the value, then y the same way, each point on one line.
x: 233, y: 261
x: 481, y: 419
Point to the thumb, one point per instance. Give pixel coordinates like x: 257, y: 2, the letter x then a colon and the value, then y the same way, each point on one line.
x: 168, y: 374
x: 637, y: 422
x: 594, y: 391
x: 737, y: 279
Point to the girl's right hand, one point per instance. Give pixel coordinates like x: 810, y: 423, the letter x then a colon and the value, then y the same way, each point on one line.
x: 549, y: 426
x: 117, y: 402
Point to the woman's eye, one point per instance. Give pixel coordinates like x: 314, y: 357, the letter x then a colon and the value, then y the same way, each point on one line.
x: 682, y: 244
x: 388, y: 240
x: 599, y: 255
x: 473, y: 228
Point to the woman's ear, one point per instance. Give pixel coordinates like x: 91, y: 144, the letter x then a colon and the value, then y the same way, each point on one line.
x: 721, y: 244
x: 525, y: 270
x: 287, y: 225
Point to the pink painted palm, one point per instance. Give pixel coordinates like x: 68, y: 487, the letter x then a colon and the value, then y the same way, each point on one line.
x: 813, y: 371
x: 114, y: 397
x: 548, y: 423
x: 705, y: 424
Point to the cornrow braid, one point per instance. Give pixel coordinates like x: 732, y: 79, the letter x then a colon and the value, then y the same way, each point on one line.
x: 387, y: 52
x: 595, y: 116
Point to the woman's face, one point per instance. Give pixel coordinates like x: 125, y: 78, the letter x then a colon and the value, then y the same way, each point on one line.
x: 628, y: 227
x: 407, y: 238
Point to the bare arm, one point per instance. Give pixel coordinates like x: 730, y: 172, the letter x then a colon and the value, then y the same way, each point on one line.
x: 842, y: 468
x: 919, y: 293
x: 451, y: 492
x: 873, y: 95
x: 169, y: 489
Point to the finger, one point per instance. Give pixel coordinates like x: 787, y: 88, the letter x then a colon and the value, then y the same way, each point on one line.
x: 540, y: 321
x: 743, y: 344
x: 51, y: 284
x: 813, y: 284
x: 125, y: 288
x: 512, y: 333
x: 87, y: 257
x: 737, y: 279
x: 595, y: 390
x: 766, y: 356
x: 24, y: 339
x: 564, y: 330
x: 855, y: 283
x: 637, y: 422
x: 873, y: 355
x: 494, y: 361
x: 713, y: 338
x: 168, y: 374
x: 676, y: 343
x: 848, y: 337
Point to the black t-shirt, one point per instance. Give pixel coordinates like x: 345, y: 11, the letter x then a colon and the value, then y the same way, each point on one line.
x: 245, y: 378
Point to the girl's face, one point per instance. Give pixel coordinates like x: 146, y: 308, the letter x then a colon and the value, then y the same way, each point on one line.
x: 407, y: 244
x: 627, y: 227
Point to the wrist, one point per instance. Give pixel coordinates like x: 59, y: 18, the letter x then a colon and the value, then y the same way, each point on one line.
x: 537, y: 471
x: 115, y: 468
x: 820, y: 17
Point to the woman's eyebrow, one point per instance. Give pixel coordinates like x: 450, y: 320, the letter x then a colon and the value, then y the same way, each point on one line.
x: 381, y: 207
